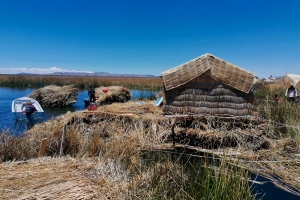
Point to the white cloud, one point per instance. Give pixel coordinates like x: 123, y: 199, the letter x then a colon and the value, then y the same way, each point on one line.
x: 36, y: 70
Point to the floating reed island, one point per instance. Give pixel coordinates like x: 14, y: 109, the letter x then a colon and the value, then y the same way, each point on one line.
x: 55, y: 96
x: 121, y: 131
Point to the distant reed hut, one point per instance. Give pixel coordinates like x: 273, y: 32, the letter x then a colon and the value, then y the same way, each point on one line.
x: 208, y: 85
x: 289, y: 79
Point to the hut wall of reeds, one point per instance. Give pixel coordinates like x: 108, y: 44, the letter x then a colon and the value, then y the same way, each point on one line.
x: 208, y: 86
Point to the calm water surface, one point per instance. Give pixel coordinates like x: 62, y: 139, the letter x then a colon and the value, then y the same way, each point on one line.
x: 8, y: 94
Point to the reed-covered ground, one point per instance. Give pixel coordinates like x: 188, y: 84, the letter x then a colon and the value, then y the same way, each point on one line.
x: 81, y: 81
x: 115, y: 153
x: 108, y: 156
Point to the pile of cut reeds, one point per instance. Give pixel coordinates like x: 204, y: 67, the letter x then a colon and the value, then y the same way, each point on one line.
x: 113, y: 94
x: 62, y: 178
x: 55, y: 96
x: 134, y: 107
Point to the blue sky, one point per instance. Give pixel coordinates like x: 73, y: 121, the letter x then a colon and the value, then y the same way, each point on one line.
x: 148, y: 36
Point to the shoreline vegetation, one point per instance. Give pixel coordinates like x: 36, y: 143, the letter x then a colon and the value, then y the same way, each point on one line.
x: 131, y: 151
x: 81, y: 82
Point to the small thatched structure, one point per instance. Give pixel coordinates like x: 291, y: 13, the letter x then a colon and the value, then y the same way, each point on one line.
x: 113, y: 94
x: 290, y: 79
x: 208, y: 85
x: 55, y: 96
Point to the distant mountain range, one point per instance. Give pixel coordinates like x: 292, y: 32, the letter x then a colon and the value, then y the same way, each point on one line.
x: 95, y: 74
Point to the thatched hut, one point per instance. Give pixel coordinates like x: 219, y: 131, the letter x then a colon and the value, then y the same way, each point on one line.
x: 290, y: 79
x: 208, y: 85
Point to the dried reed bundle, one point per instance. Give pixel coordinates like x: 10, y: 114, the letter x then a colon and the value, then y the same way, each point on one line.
x: 220, y: 91
x: 114, y: 94
x: 213, y: 108
x: 291, y: 146
x: 63, y: 178
x: 55, y: 96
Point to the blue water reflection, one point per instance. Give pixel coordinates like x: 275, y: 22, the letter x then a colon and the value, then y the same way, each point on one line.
x: 142, y: 94
x: 268, y: 191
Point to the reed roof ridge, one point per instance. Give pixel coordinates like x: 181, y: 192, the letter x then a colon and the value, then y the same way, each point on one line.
x: 229, y: 63
x: 181, y: 74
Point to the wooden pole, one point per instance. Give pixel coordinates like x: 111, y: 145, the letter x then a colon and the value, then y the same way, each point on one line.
x: 62, y: 144
x: 173, y: 133
x: 42, y: 147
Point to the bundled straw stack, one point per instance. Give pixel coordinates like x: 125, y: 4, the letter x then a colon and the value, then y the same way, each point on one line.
x: 55, y: 96
x: 112, y: 95
x: 62, y: 178
x: 218, y: 101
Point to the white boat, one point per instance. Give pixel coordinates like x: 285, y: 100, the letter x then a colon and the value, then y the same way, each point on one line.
x: 19, y: 104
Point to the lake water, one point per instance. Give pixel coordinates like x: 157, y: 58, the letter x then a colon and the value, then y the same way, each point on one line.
x: 192, y: 159
x: 8, y: 94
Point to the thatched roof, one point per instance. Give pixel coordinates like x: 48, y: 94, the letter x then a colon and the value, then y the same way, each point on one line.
x: 219, y: 69
x: 293, y: 79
